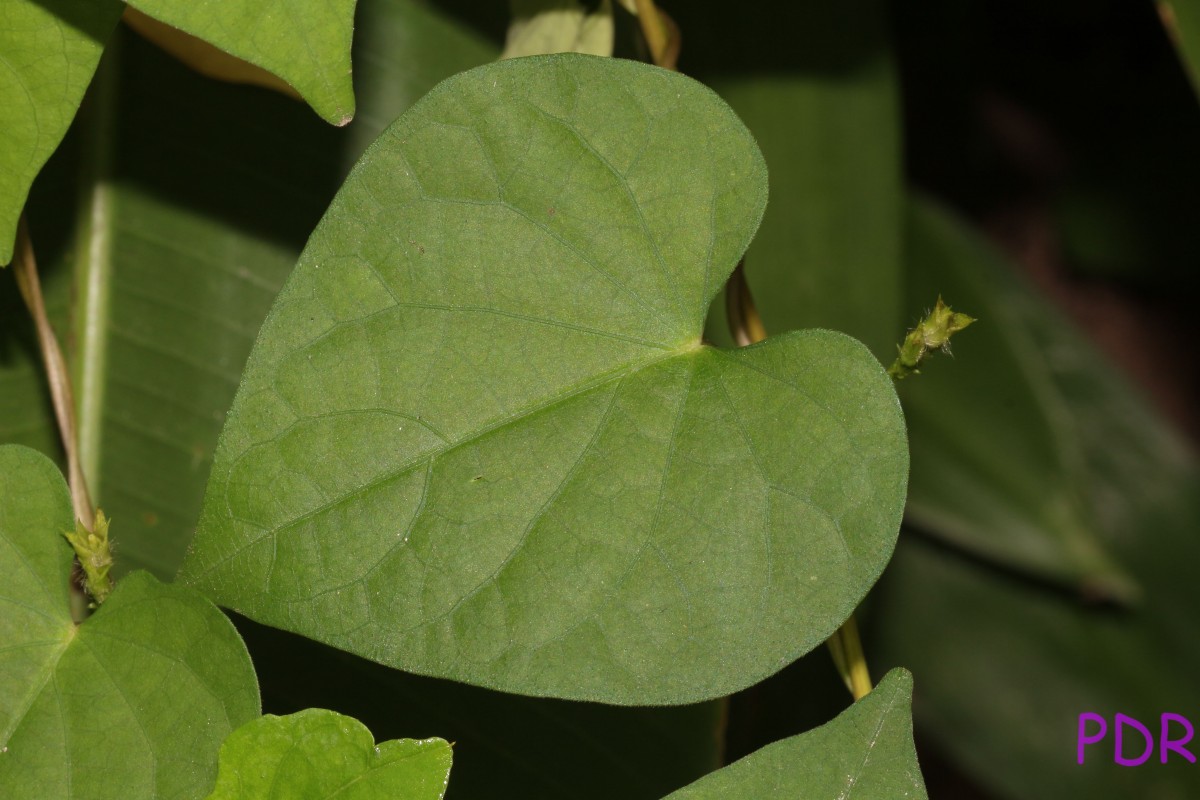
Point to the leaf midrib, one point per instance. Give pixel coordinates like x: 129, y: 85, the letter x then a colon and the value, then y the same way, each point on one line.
x: 869, y: 751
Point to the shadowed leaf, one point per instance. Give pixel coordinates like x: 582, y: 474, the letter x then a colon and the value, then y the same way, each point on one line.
x: 999, y: 464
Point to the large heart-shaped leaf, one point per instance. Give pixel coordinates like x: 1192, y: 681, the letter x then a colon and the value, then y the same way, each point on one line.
x: 318, y: 755
x: 304, y: 42
x: 866, y: 753
x: 479, y: 436
x: 49, y: 50
x: 133, y: 703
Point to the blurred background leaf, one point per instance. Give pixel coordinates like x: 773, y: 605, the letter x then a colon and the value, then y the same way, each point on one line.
x: 558, y: 26
x: 1182, y: 22
x: 997, y: 462
x: 826, y: 115
x: 1009, y: 662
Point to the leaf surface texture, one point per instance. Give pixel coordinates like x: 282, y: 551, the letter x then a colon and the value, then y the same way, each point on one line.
x: 480, y: 438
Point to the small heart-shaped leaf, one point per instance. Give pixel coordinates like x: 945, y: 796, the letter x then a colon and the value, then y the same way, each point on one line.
x: 133, y: 703
x: 480, y: 438
x: 317, y: 754
x: 866, y: 753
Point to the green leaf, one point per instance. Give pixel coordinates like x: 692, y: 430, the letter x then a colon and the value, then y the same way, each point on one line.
x: 50, y: 50
x: 479, y: 437
x: 998, y: 464
x: 867, y: 753
x: 317, y: 754
x: 541, y: 27
x: 1024, y: 663
x: 185, y: 236
x: 829, y: 253
x: 304, y: 42
x: 134, y: 702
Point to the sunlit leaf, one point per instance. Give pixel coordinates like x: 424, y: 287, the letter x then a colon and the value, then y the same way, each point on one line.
x: 866, y: 753
x: 480, y: 438
x: 133, y: 703
x: 49, y: 49
x: 304, y: 42
x: 318, y: 755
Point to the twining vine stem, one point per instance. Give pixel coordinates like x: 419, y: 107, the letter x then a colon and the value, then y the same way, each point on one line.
x: 744, y: 323
x: 58, y: 377
x: 661, y: 34
x: 846, y: 648
x: 664, y: 40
